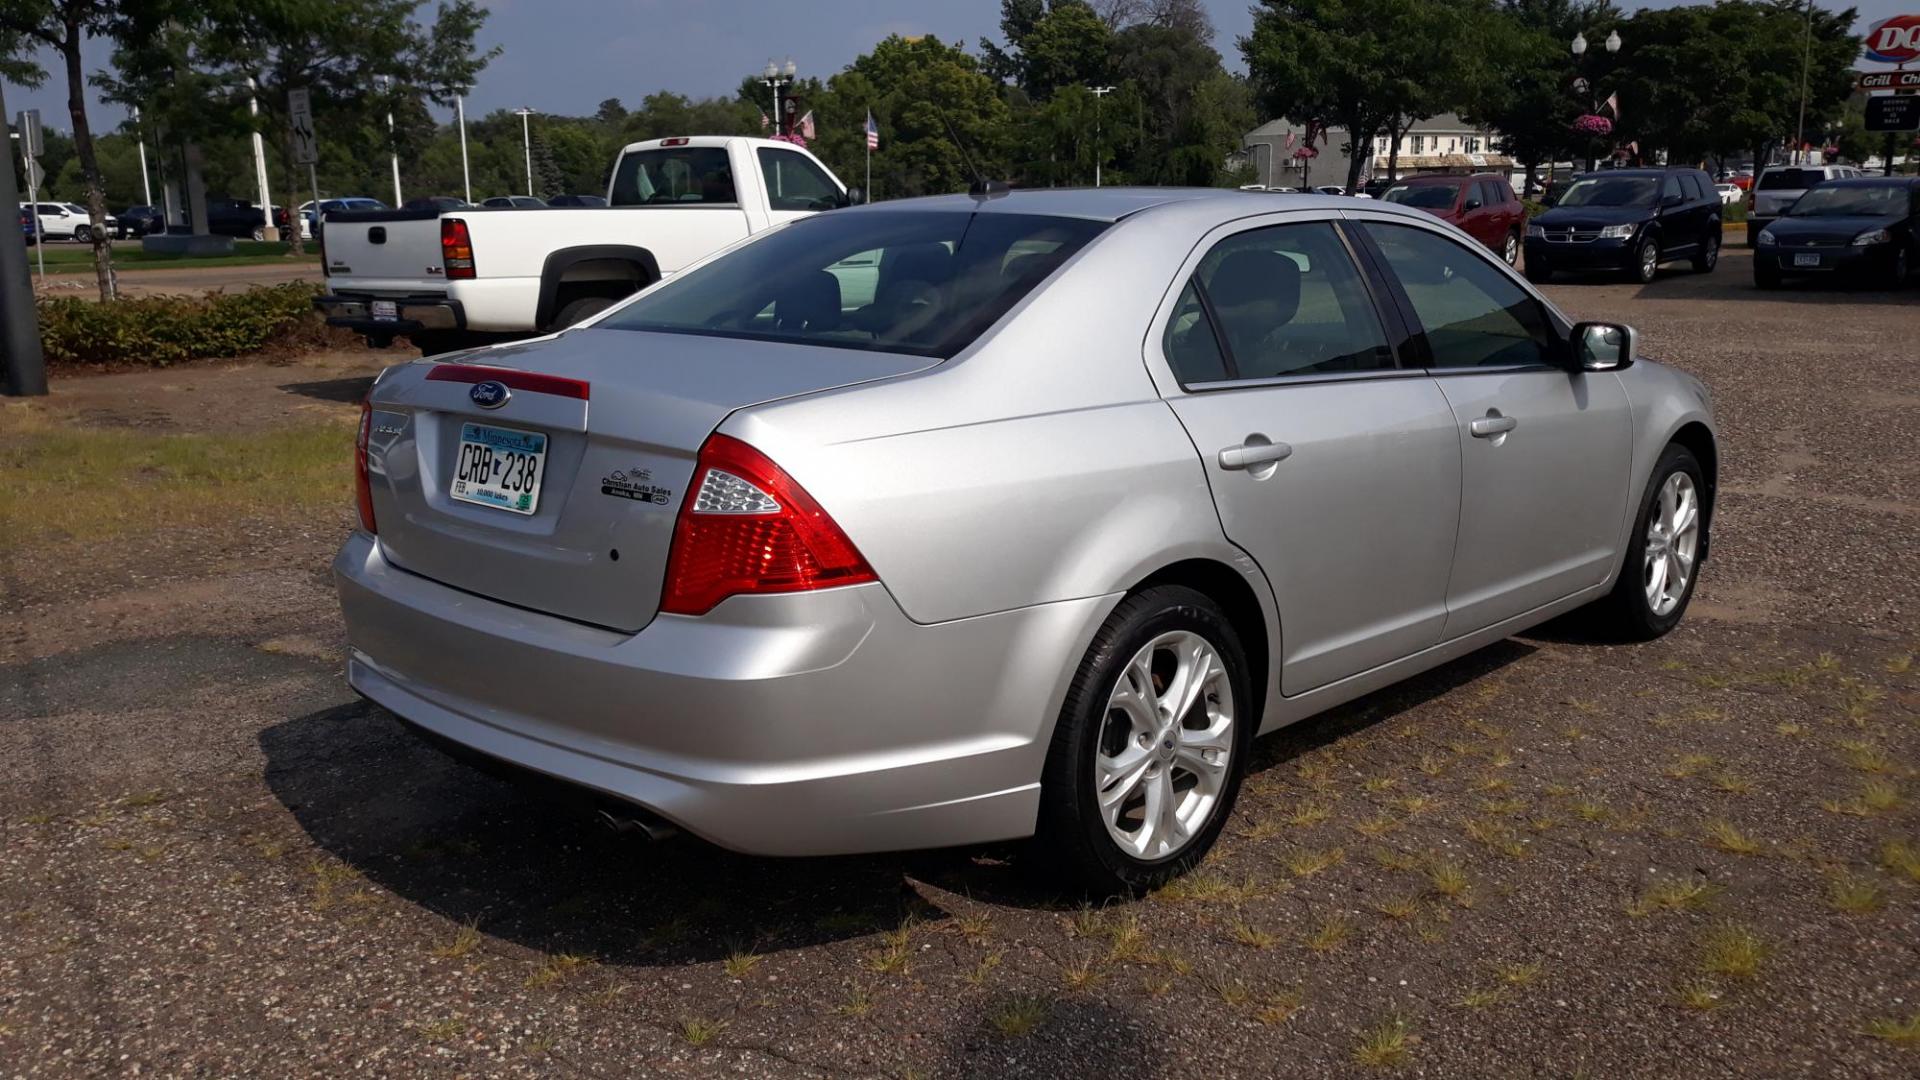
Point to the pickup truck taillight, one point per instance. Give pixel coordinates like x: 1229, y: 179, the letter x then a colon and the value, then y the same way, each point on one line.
x: 456, y: 249
x: 745, y: 526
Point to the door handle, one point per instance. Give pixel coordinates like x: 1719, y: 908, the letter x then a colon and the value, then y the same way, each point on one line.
x: 1246, y: 456
x: 1488, y: 426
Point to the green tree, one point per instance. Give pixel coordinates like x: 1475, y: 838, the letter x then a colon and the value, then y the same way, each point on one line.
x: 909, y: 83
x: 1533, y: 106
x: 1189, y: 115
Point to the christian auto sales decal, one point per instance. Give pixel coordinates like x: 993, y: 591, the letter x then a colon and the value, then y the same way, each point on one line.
x: 636, y: 485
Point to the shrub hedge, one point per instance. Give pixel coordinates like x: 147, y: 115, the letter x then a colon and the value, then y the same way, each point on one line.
x: 161, y: 330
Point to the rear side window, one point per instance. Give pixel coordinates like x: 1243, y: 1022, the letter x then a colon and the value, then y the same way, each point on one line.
x: 1472, y: 313
x: 676, y: 176
x: 921, y: 282
x: 1285, y: 300
x: 794, y: 182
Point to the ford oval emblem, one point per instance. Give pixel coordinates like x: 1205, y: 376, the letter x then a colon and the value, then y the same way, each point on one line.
x: 490, y: 394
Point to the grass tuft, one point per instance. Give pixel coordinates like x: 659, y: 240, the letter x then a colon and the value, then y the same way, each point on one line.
x: 741, y: 961
x: 1732, y: 949
x: 1332, y: 933
x: 557, y: 969
x: 1447, y: 878
x: 1386, y: 1045
x: 1898, y: 856
x: 1673, y: 894
x: 1898, y: 1032
x: 699, y: 1031
x: 1699, y: 995
x: 1303, y: 862
x: 1253, y: 937
x: 1279, y: 1007
x: 464, y: 940
x: 1851, y: 895
x: 1723, y: 835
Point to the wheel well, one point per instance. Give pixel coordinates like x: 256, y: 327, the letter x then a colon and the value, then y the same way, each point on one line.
x: 1699, y: 441
x: 1229, y: 588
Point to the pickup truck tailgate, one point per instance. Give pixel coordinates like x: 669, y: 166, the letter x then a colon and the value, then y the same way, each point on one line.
x: 385, y: 250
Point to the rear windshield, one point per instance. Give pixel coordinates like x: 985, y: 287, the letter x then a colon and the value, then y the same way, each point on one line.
x: 1853, y: 200
x: 676, y: 176
x: 1425, y: 196
x: 919, y: 282
x: 1610, y: 191
x: 1790, y: 179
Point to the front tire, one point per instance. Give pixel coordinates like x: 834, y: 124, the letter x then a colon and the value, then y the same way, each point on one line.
x: 1510, y: 252
x: 1150, y: 746
x: 83, y: 234
x: 1646, y: 262
x: 1663, y: 560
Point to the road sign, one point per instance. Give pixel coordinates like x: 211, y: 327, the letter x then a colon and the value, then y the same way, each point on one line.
x: 36, y: 175
x: 1895, y: 40
x: 1893, y: 113
x: 28, y: 124
x: 306, y: 147
x: 1889, y: 80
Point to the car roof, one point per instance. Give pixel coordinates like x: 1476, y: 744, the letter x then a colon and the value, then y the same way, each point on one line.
x: 1111, y: 204
x: 1430, y: 178
x: 1873, y: 181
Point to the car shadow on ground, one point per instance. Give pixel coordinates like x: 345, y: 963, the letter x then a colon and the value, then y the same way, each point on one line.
x: 350, y: 390
x: 545, y: 874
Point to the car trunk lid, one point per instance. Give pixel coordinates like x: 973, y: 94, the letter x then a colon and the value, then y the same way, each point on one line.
x: 620, y: 417
x: 384, y: 250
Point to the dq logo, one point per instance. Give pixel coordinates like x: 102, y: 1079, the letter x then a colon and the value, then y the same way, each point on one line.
x: 1895, y: 40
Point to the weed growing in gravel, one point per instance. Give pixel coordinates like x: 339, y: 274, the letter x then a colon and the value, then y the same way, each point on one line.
x: 1431, y: 764
x: 1504, y: 807
x: 1080, y: 973
x: 893, y: 956
x: 1171, y: 960
x: 1231, y: 990
x: 1280, y: 1006
x: 1375, y: 785
x: 1699, y: 995
x: 1519, y: 974
x: 975, y: 926
x: 1253, y: 937
x: 464, y: 940
x: 1377, y: 826
x: 1899, y: 665
x: 1497, y: 835
x: 1879, y: 796
x: 1857, y: 700
x: 1492, y: 785
x: 1332, y: 933
x: 699, y: 1031
x: 1308, y: 814
x: 1673, y: 894
x: 1898, y: 856
x: 1447, y: 878
x: 1866, y: 756
x: 1156, y: 985
x: 858, y: 1004
x: 984, y: 969
x: 1305, y: 863
x: 1019, y: 1015
x: 1790, y: 729
x: 442, y: 1030
x: 1723, y: 835
x: 1851, y: 895
x: 557, y: 969
x: 1898, y: 1032
x: 1732, y: 949
x: 1386, y: 1045
x: 1483, y: 997
x: 1399, y: 907
x: 1733, y: 784
x: 1264, y: 829
x: 1207, y: 885
x: 1393, y: 860
x: 740, y: 961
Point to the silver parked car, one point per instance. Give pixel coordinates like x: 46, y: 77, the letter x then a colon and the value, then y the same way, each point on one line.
x: 963, y: 519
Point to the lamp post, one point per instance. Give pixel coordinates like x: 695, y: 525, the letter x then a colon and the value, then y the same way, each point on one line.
x: 267, y: 229
x: 776, y: 76
x: 466, y: 172
x: 526, y: 142
x: 384, y: 83
x: 146, y: 186
x: 1579, y: 47
x: 1806, y: 59
x: 1099, y: 97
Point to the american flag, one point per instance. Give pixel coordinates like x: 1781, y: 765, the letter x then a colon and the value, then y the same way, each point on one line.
x: 873, y: 132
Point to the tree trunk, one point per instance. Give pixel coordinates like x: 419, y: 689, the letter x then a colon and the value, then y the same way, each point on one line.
x: 1533, y: 174
x: 1355, y: 153
x: 1393, y: 150
x: 89, y: 163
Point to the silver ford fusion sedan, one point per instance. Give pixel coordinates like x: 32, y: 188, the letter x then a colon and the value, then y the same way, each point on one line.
x: 979, y: 517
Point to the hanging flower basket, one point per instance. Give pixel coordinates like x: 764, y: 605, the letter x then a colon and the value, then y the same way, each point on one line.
x: 1593, y: 125
x: 797, y: 140
x: 1305, y: 153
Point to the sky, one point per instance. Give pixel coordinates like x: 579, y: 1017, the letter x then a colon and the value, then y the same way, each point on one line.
x: 566, y: 56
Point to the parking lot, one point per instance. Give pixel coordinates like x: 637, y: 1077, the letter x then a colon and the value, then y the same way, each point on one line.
x: 1553, y: 858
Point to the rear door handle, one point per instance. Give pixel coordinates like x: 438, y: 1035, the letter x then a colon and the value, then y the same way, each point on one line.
x: 1488, y: 426
x: 1245, y: 456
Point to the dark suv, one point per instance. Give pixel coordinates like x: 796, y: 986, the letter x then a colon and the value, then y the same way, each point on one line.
x: 1629, y: 221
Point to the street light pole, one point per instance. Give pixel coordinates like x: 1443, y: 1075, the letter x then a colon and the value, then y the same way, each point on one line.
x: 466, y: 173
x: 774, y: 77
x: 1099, y: 97
x: 526, y: 143
x: 146, y: 186
x: 267, y: 229
x: 1806, y: 58
x: 384, y: 83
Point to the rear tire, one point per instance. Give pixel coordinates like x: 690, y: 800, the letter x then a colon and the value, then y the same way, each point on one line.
x: 1116, y: 734
x: 1510, y: 252
x: 579, y: 310
x: 1631, y: 612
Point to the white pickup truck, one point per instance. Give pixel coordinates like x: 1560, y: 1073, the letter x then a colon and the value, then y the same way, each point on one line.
x: 462, y: 277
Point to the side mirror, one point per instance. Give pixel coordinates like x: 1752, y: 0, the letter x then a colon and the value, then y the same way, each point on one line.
x: 853, y: 197
x: 1470, y: 204
x: 1599, y: 346
x: 1673, y: 200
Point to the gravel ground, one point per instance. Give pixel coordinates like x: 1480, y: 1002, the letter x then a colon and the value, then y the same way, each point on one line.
x: 1552, y: 858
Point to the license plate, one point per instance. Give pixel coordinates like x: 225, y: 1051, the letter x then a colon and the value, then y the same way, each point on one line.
x: 386, y: 311
x: 1806, y: 258
x: 499, y: 467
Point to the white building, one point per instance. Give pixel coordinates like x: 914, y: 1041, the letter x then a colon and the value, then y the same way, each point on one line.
x: 1443, y: 143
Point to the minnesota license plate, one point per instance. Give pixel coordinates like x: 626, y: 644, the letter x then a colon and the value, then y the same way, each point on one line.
x: 1806, y: 258
x: 499, y: 467
x: 386, y: 310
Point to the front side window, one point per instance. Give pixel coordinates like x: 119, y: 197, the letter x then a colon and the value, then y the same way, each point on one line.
x: 1670, y: 188
x: 1283, y: 300
x: 910, y: 281
x: 795, y: 183
x: 1472, y: 313
x: 675, y: 176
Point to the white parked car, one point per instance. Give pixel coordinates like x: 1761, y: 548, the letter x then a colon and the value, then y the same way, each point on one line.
x: 449, y: 279
x: 1729, y: 193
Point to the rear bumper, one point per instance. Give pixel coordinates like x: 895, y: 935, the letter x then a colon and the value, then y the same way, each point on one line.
x: 412, y: 313
x: 807, y: 724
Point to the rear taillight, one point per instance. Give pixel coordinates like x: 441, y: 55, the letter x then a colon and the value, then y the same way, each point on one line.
x: 456, y: 249
x: 320, y: 237
x: 362, y: 483
x: 745, y: 526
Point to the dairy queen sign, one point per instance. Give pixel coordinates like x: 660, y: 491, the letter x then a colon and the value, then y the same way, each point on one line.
x: 1895, y: 40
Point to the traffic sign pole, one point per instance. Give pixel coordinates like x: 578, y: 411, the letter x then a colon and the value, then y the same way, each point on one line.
x: 21, y: 359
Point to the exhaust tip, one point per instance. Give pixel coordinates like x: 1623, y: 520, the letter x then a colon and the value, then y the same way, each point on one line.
x: 652, y: 828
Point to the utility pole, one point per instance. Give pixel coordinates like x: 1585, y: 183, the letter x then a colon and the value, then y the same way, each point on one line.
x: 1099, y: 98
x: 466, y: 173
x: 25, y: 367
x: 146, y: 187
x: 526, y: 144
x: 1806, y: 60
x: 268, y: 231
x: 385, y: 83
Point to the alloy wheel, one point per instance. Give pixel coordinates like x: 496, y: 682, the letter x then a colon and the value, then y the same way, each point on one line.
x: 1512, y: 251
x: 1161, y: 759
x: 1673, y: 541
x: 1712, y: 255
x: 1649, y: 261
